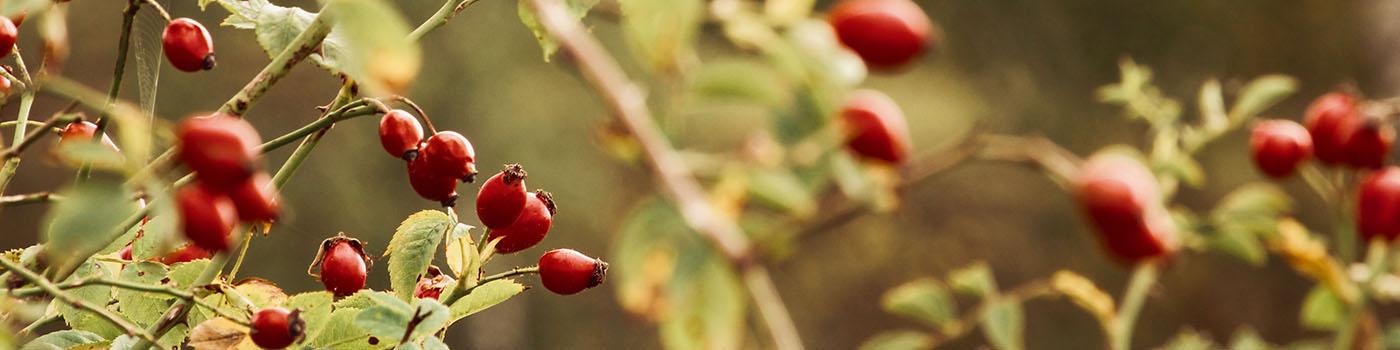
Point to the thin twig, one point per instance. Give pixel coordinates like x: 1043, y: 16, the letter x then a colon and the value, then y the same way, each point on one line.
x: 969, y: 321
x: 628, y: 103
x: 298, y: 49
x: 44, y: 129
x: 421, y: 114
x: 119, y: 71
x: 28, y: 198
x: 101, y: 311
x: 160, y: 9
x: 1121, y: 333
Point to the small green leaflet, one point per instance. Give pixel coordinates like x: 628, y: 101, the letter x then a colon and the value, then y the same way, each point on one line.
x: 412, y: 249
x: 576, y: 8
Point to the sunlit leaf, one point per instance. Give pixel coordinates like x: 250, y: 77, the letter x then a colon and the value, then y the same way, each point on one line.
x: 142, y: 307
x: 925, y: 300
x: 93, y: 295
x: 974, y: 280
x: 662, y: 32
x: 1260, y: 94
x: 62, y: 340
x: 1322, y: 310
x: 485, y: 296
x: 577, y: 9
x: 314, y: 308
x: 898, y: 340
x: 459, y: 249
x: 412, y: 248
x: 1084, y: 293
x: 218, y: 334
x: 1003, y: 322
x: 377, y: 52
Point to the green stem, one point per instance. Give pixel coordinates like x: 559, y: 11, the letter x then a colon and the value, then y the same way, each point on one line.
x: 449, y: 9
x: 302, y: 46
x: 1144, y: 275
x: 28, y: 198
x: 123, y: 44
x: 28, y: 122
x: 7, y: 171
x: 101, y: 311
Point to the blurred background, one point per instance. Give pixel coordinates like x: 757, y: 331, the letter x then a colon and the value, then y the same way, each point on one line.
x: 1019, y: 67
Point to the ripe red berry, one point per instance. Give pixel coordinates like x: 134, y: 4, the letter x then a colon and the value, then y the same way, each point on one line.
x: 276, y: 328
x: 431, y: 285
x: 206, y: 217
x: 343, y: 265
x: 222, y: 150
x: 83, y: 131
x: 530, y: 227
x: 1329, y: 120
x: 9, y: 33
x: 502, y: 197
x: 187, y: 253
x: 887, y: 34
x: 1369, y: 144
x: 876, y: 126
x: 1124, y: 203
x: 450, y: 154
x: 565, y: 271
x: 400, y: 134
x: 429, y: 185
x: 256, y: 199
x: 1378, y: 205
x: 188, y: 46
x: 1279, y: 146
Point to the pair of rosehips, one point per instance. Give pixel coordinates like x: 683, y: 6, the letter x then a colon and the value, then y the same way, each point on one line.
x: 434, y: 165
x: 875, y: 127
x: 519, y: 218
x: 1124, y: 203
x: 229, y: 186
x: 886, y: 34
x: 343, y: 265
x: 1336, y: 132
x: 187, y: 45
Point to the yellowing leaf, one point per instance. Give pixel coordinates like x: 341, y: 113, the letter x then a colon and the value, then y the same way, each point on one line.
x: 1084, y: 293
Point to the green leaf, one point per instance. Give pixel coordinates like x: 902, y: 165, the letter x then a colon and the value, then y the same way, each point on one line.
x: 707, y: 305
x: 62, y: 340
x: 1256, y: 206
x: 412, y: 249
x: 142, y: 307
x: 159, y: 233
x: 780, y: 189
x: 1003, y: 322
x: 184, y: 274
x: 898, y: 340
x: 1247, y: 339
x: 485, y: 296
x: 377, y: 52
x: 94, y: 154
x: 1322, y: 310
x: 315, y: 309
x: 218, y: 333
x: 460, y: 250
x: 1182, y: 166
x: 384, y: 322
x: 925, y: 300
x: 644, y: 255
x: 433, y: 317
x: 974, y: 280
x: 95, y: 295
x: 662, y: 32
x: 577, y: 9
x: 1189, y: 339
x: 342, y: 333
x: 1239, y: 243
x: 1260, y: 94
x: 80, y: 225
x: 365, y: 299
x: 433, y: 343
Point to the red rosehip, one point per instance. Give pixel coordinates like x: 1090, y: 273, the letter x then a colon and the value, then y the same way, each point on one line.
x: 400, y: 134
x: 1279, y: 146
x: 276, y: 328
x: 450, y: 154
x: 1329, y: 120
x: 206, y: 217
x: 431, y: 285
x: 530, y: 227
x: 222, y: 150
x: 188, y: 46
x: 9, y: 33
x: 1369, y: 144
x: 82, y: 131
x: 187, y: 253
x: 1378, y: 205
x: 502, y: 197
x: 429, y: 184
x: 343, y: 265
x: 876, y: 126
x: 256, y: 199
x: 565, y: 271
x: 1124, y: 203
x: 886, y: 34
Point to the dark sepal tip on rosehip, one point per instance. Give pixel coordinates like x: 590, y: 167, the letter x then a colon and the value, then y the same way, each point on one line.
x: 502, y: 197
x: 449, y: 154
x: 1329, y: 119
x: 1378, y: 205
x: 1279, y: 147
x: 886, y: 34
x: 875, y: 127
x: 566, y: 271
x: 222, y: 150
x: 1123, y: 202
x: 430, y: 185
x: 206, y: 216
x: 343, y: 265
x: 400, y: 134
x: 276, y: 328
x: 188, y: 46
x: 530, y: 227
x: 9, y: 34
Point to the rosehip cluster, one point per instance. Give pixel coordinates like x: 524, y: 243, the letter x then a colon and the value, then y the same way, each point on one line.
x: 1124, y: 203
x: 519, y: 218
x: 229, y: 185
x: 875, y: 127
x: 342, y: 264
x: 886, y: 34
x: 1342, y: 135
x: 187, y: 45
x: 435, y: 165
x: 276, y: 328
